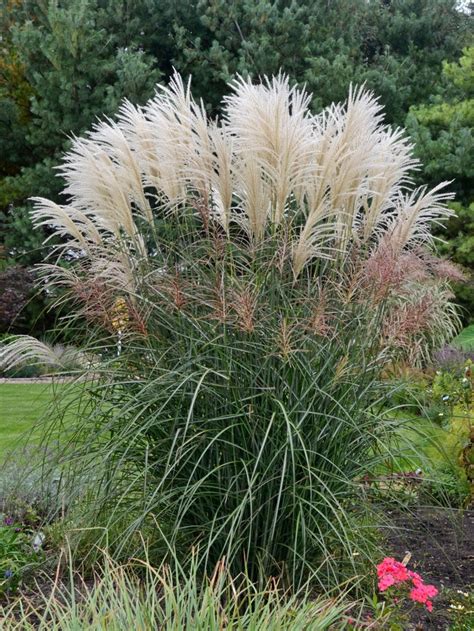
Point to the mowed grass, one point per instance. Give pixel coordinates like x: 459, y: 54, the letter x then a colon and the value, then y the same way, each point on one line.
x: 22, y: 408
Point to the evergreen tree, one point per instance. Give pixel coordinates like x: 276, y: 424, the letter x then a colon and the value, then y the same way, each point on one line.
x: 62, y: 65
x: 76, y: 68
x: 395, y: 46
x: 442, y: 130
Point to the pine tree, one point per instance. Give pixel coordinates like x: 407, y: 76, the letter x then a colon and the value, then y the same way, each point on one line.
x: 62, y: 65
x: 395, y: 46
x: 442, y: 130
x: 75, y: 69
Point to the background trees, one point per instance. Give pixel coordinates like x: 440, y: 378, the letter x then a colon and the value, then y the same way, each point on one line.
x: 442, y: 131
x: 65, y: 64
x: 395, y: 46
x: 62, y: 64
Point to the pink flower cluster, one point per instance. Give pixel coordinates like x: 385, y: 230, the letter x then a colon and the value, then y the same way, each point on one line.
x: 391, y: 572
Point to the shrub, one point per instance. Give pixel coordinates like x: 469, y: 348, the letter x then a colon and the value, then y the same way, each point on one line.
x: 16, y: 287
x: 245, y: 282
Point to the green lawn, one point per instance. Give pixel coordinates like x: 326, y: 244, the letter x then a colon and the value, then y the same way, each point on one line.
x: 21, y: 406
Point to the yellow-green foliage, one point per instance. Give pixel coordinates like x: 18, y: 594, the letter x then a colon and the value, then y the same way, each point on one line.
x: 459, y: 77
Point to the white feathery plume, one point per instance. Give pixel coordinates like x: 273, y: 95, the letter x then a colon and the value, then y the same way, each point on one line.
x: 221, y: 175
x: 388, y: 175
x: 356, y: 139
x: 26, y: 349
x: 111, y: 137
x: 168, y: 115
x: 270, y: 123
x: 336, y: 178
x: 117, y: 273
x: 66, y: 222
x: 358, y: 171
x: 316, y: 239
x: 139, y: 133
x: 415, y: 214
x: 253, y: 196
x: 95, y: 186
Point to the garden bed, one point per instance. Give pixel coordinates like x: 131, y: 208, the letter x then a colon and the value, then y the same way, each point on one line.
x: 440, y: 542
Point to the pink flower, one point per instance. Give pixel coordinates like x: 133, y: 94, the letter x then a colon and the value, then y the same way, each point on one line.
x: 415, y: 577
x: 390, y: 566
x: 422, y: 593
x: 386, y: 581
x: 391, y: 572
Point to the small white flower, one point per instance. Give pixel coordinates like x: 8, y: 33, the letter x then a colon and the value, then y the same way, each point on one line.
x: 38, y: 541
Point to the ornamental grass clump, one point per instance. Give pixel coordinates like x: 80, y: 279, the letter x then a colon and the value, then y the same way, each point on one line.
x: 243, y: 282
x: 137, y: 595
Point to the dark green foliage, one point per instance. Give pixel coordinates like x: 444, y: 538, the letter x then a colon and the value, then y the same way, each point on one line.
x: 76, y: 66
x: 442, y: 131
x: 16, y: 290
x: 395, y: 47
x: 79, y: 68
x: 16, y: 286
x: 21, y: 309
x: 442, y: 128
x: 459, y: 246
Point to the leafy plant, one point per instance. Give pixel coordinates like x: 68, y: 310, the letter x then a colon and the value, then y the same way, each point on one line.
x: 453, y: 387
x: 461, y: 608
x: 446, y: 486
x: 20, y: 549
x: 465, y: 340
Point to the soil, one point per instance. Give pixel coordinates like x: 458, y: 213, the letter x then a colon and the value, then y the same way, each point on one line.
x: 440, y: 541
